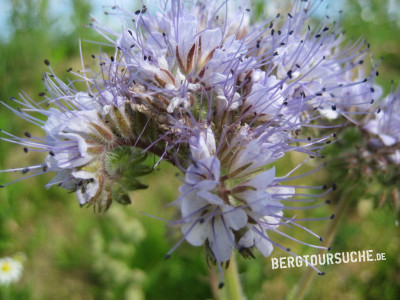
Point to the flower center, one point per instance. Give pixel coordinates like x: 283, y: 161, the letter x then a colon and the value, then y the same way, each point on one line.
x: 6, y: 267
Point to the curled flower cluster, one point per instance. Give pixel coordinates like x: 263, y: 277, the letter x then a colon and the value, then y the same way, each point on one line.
x: 221, y: 96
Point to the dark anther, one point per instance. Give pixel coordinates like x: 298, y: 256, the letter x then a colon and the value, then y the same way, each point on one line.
x: 309, y: 139
x: 332, y: 217
x: 278, y: 15
x: 130, y: 32
x: 51, y: 153
x: 324, y: 187
x: 365, y: 80
x: 378, y: 111
x: 279, y: 32
x: 334, y: 135
x: 47, y: 62
x: 309, y: 28
x: 41, y: 94
x: 221, y: 285
x: 69, y: 69
x: 44, y: 168
x: 287, y: 249
x: 167, y: 256
x: 321, y: 238
x: 137, y: 12
x: 93, y: 56
x: 328, y: 142
x: 333, y: 107
x: 297, y: 65
x: 326, y: 29
x: 25, y: 170
x: 290, y: 32
x: 372, y: 90
x: 377, y: 73
x: 289, y: 74
x: 290, y: 16
x: 145, y: 57
x: 276, y: 53
x: 361, y: 62
x: 112, y: 58
x: 328, y: 201
x: 321, y: 273
x: 334, y: 186
x: 318, y: 94
x: 26, y: 149
x: 271, y: 25
x: 317, y: 36
x: 28, y: 134
x: 329, y: 248
x: 248, y: 9
x: 272, y: 31
x: 282, y: 44
x: 372, y: 101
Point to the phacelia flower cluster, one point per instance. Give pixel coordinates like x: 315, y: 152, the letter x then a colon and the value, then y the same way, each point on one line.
x: 220, y: 95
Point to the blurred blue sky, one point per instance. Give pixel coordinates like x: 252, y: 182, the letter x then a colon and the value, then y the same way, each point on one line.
x: 61, y: 10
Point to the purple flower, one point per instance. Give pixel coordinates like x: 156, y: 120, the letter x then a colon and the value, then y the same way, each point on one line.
x: 383, y: 127
x: 82, y: 131
x: 386, y: 122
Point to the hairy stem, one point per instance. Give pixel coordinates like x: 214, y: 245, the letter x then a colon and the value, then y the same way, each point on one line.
x: 232, y: 289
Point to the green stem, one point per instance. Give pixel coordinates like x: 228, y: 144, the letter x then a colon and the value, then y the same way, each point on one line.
x: 232, y: 289
x: 329, y: 236
x: 5, y: 292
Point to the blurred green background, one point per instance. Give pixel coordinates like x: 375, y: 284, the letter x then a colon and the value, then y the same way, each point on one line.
x: 73, y: 253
